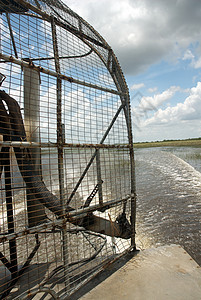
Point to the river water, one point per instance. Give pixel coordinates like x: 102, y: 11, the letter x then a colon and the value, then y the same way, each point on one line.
x: 168, y: 182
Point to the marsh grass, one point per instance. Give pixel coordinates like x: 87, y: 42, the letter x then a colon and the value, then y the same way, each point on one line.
x: 170, y: 143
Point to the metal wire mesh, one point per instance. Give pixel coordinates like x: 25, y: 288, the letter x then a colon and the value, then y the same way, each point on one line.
x: 66, y: 161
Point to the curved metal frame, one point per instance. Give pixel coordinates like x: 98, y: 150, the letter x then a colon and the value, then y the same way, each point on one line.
x: 95, y: 42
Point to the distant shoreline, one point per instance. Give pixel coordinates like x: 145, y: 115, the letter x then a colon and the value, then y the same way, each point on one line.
x: 170, y: 143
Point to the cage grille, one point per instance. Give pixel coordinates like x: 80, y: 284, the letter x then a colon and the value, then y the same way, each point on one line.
x: 66, y: 162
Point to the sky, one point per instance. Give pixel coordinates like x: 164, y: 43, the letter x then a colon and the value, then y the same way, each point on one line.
x: 158, y: 45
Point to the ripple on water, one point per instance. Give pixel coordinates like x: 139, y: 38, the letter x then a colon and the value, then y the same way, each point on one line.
x: 169, y: 200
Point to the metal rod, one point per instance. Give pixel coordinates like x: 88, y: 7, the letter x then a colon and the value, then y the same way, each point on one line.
x: 95, y: 207
x: 60, y: 222
x: 60, y: 141
x: 95, y: 153
x: 11, y: 35
x: 55, y: 145
x: 25, y: 64
x: 63, y: 57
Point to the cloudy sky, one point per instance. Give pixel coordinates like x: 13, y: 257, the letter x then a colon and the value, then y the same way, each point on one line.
x: 158, y: 44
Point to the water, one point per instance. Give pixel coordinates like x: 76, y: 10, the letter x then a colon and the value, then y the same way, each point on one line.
x: 169, y: 198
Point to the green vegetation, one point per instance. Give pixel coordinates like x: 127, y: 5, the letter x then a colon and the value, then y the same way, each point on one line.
x: 196, y: 142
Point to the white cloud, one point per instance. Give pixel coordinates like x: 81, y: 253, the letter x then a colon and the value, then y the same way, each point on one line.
x: 188, y: 55
x: 147, y: 115
x: 197, y: 63
x: 143, y: 32
x: 180, y: 121
x: 152, y: 103
x: 187, y: 111
x: 137, y: 86
x: 152, y: 90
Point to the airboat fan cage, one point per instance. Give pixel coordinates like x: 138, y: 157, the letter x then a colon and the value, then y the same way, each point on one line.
x: 66, y: 161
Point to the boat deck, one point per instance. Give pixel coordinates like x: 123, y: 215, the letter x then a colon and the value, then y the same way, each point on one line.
x: 164, y: 273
